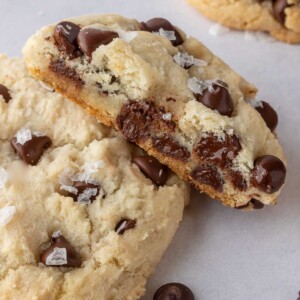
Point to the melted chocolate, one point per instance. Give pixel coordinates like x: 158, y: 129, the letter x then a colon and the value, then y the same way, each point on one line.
x: 167, y: 145
x: 220, y: 151
x: 59, y: 67
x: 209, y: 175
x: 138, y: 120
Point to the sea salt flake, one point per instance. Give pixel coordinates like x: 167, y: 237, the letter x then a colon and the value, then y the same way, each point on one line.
x: 56, y: 234
x: 167, y: 116
x: 217, y: 30
x: 256, y: 103
x: 3, y: 178
x: 93, y: 166
x: 66, y: 177
x: 6, y: 214
x: 127, y: 36
x: 23, y: 135
x: 186, y: 60
x: 170, y: 35
x: 69, y: 189
x: 57, y: 258
x: 121, y: 227
x: 86, y: 196
x: 196, y: 86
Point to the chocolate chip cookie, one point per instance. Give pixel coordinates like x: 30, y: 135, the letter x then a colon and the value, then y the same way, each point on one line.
x: 281, y: 18
x: 83, y: 214
x: 170, y: 95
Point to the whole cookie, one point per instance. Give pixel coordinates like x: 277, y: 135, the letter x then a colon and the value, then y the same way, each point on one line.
x: 170, y: 95
x: 78, y: 218
x: 281, y: 18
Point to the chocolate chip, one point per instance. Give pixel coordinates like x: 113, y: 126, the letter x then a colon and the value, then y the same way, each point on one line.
x: 268, y: 174
x: 54, y: 256
x: 138, y: 120
x: 32, y: 150
x: 124, y: 225
x: 256, y: 204
x: 269, y: 115
x: 153, y: 25
x: 167, y: 145
x: 152, y: 168
x: 90, y: 39
x: 65, y: 34
x: 278, y: 10
x: 220, y: 150
x: 218, y: 99
x: 209, y: 175
x: 174, y: 291
x: 82, y: 188
x: 4, y: 92
x: 60, y: 68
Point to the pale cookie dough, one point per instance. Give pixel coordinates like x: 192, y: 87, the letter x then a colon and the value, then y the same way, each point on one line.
x: 107, y: 242
x: 281, y: 18
x: 170, y: 95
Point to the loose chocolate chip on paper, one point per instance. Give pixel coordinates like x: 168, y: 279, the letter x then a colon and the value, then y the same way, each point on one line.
x: 124, y: 225
x: 89, y: 39
x: 268, y: 174
x: 4, y: 92
x: 174, y: 291
x: 31, y: 151
x: 65, y: 34
x: 152, y: 168
x: 269, y: 115
x: 218, y: 99
x: 83, y: 187
x: 278, y: 9
x: 155, y: 24
x: 60, y: 254
x: 209, y: 175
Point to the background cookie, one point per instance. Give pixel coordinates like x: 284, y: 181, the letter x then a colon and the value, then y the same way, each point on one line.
x: 170, y: 95
x: 281, y: 18
x: 71, y: 185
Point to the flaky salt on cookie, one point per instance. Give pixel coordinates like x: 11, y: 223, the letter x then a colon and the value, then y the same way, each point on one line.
x: 83, y: 213
x: 281, y: 18
x: 170, y: 95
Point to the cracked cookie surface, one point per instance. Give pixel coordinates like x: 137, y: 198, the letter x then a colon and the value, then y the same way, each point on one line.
x: 81, y: 220
x: 281, y: 18
x: 170, y: 95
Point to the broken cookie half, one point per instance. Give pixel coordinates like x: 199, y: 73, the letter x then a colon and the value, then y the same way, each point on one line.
x: 281, y: 18
x: 170, y: 95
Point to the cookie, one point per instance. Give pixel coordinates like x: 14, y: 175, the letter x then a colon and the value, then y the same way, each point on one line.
x: 281, y: 18
x: 83, y: 214
x: 170, y: 95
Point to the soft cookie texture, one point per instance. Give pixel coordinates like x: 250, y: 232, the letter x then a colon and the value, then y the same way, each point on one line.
x: 170, y: 95
x: 281, y: 18
x: 82, y: 221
